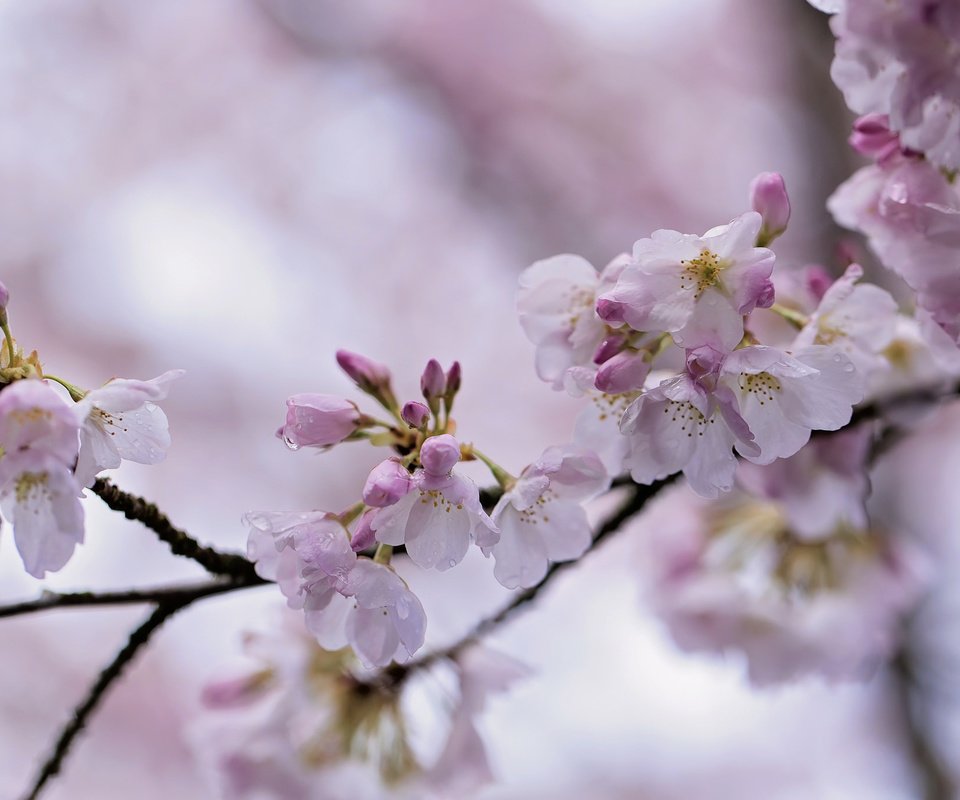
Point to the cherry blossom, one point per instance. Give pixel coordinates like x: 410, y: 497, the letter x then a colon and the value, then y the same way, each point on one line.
x: 440, y: 515
x: 674, y: 279
x: 541, y: 518
x: 121, y: 420
x: 38, y: 491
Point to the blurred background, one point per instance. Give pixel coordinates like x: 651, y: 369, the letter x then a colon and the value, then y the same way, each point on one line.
x: 240, y: 187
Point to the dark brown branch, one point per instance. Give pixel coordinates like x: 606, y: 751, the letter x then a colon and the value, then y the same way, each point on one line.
x: 180, y: 542
x: 106, y: 678
x: 185, y: 594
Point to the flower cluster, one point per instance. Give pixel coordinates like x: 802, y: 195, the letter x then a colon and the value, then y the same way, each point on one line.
x: 305, y: 723
x: 336, y: 567
x: 700, y: 302
x: 53, y: 444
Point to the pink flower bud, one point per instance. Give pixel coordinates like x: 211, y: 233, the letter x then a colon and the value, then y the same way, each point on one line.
x: 387, y: 483
x: 609, y: 347
x: 453, y: 380
x: 415, y: 414
x: 817, y: 280
x: 318, y: 420
x: 370, y: 376
x: 439, y: 454
x: 433, y: 381
x: 609, y: 310
x: 873, y: 138
x: 364, y: 537
x: 624, y: 372
x: 768, y: 197
x: 4, y: 296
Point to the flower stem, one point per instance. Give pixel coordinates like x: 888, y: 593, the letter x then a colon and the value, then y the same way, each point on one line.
x: 75, y: 392
x: 500, y: 475
x: 794, y: 317
x: 383, y: 554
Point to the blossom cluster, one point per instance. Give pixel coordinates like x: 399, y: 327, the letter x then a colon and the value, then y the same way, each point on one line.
x: 335, y: 567
x: 54, y: 441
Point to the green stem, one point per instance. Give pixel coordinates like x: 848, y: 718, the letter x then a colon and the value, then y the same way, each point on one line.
x: 792, y: 316
x: 383, y: 554
x: 500, y: 475
x: 75, y: 392
x: 5, y: 327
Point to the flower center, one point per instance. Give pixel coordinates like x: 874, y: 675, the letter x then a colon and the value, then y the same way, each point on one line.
x: 763, y: 386
x: 702, y: 272
x: 689, y: 416
x: 28, y: 482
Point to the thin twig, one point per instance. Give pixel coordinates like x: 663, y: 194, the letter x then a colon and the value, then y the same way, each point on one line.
x: 106, y: 678
x: 180, y: 542
x: 935, y: 780
x: 186, y: 594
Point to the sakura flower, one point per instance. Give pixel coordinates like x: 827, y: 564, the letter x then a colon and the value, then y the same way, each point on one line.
x: 121, y: 420
x: 556, y: 308
x: 387, y: 483
x: 783, y: 397
x: 768, y: 197
x: 674, y: 279
x: 440, y: 515
x: 541, y: 518
x: 690, y: 423
x: 858, y: 319
x: 387, y: 622
x: 318, y: 420
x: 38, y: 491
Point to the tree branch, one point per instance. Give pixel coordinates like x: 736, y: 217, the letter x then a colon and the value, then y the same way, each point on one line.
x: 186, y: 594
x: 106, y: 678
x: 180, y: 542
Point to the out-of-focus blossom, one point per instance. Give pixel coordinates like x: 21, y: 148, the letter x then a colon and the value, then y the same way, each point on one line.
x: 303, y: 724
x: 541, y: 518
x: 903, y: 60
x: 121, y: 420
x: 441, y: 514
x: 39, y: 440
x: 910, y: 214
x: 318, y: 420
x: 675, y: 280
x: 738, y: 575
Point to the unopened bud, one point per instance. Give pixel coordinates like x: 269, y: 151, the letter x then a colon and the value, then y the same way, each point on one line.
x: 768, y: 197
x: 318, y: 420
x: 609, y: 347
x: 387, y: 483
x: 623, y: 372
x: 453, y: 380
x: 415, y: 414
x: 432, y: 384
x: 370, y: 376
x: 872, y: 137
x: 439, y: 454
x: 364, y: 537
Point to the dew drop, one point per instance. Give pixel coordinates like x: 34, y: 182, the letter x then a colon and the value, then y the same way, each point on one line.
x: 451, y: 563
x: 290, y: 443
x: 837, y: 357
x: 849, y: 368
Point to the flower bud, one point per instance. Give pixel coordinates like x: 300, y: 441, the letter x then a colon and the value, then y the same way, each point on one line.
x: 432, y: 384
x: 768, y: 197
x: 624, y: 372
x: 415, y: 414
x: 387, y: 483
x: 318, y: 420
x: 4, y: 296
x: 364, y: 537
x: 873, y: 138
x: 452, y: 381
x: 609, y: 347
x: 610, y: 310
x: 370, y: 376
x: 439, y: 454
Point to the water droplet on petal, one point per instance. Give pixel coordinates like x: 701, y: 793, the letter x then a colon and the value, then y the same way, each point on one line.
x: 290, y: 443
x: 849, y: 368
x: 451, y: 563
x: 837, y: 357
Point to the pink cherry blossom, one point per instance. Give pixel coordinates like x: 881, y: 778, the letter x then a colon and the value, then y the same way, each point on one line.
x: 387, y: 483
x: 121, y: 420
x: 782, y: 397
x: 768, y: 197
x: 542, y: 519
x: 441, y: 514
x: 688, y: 423
x: 39, y: 437
x: 674, y: 279
x: 859, y: 319
x: 318, y: 420
x: 556, y: 308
